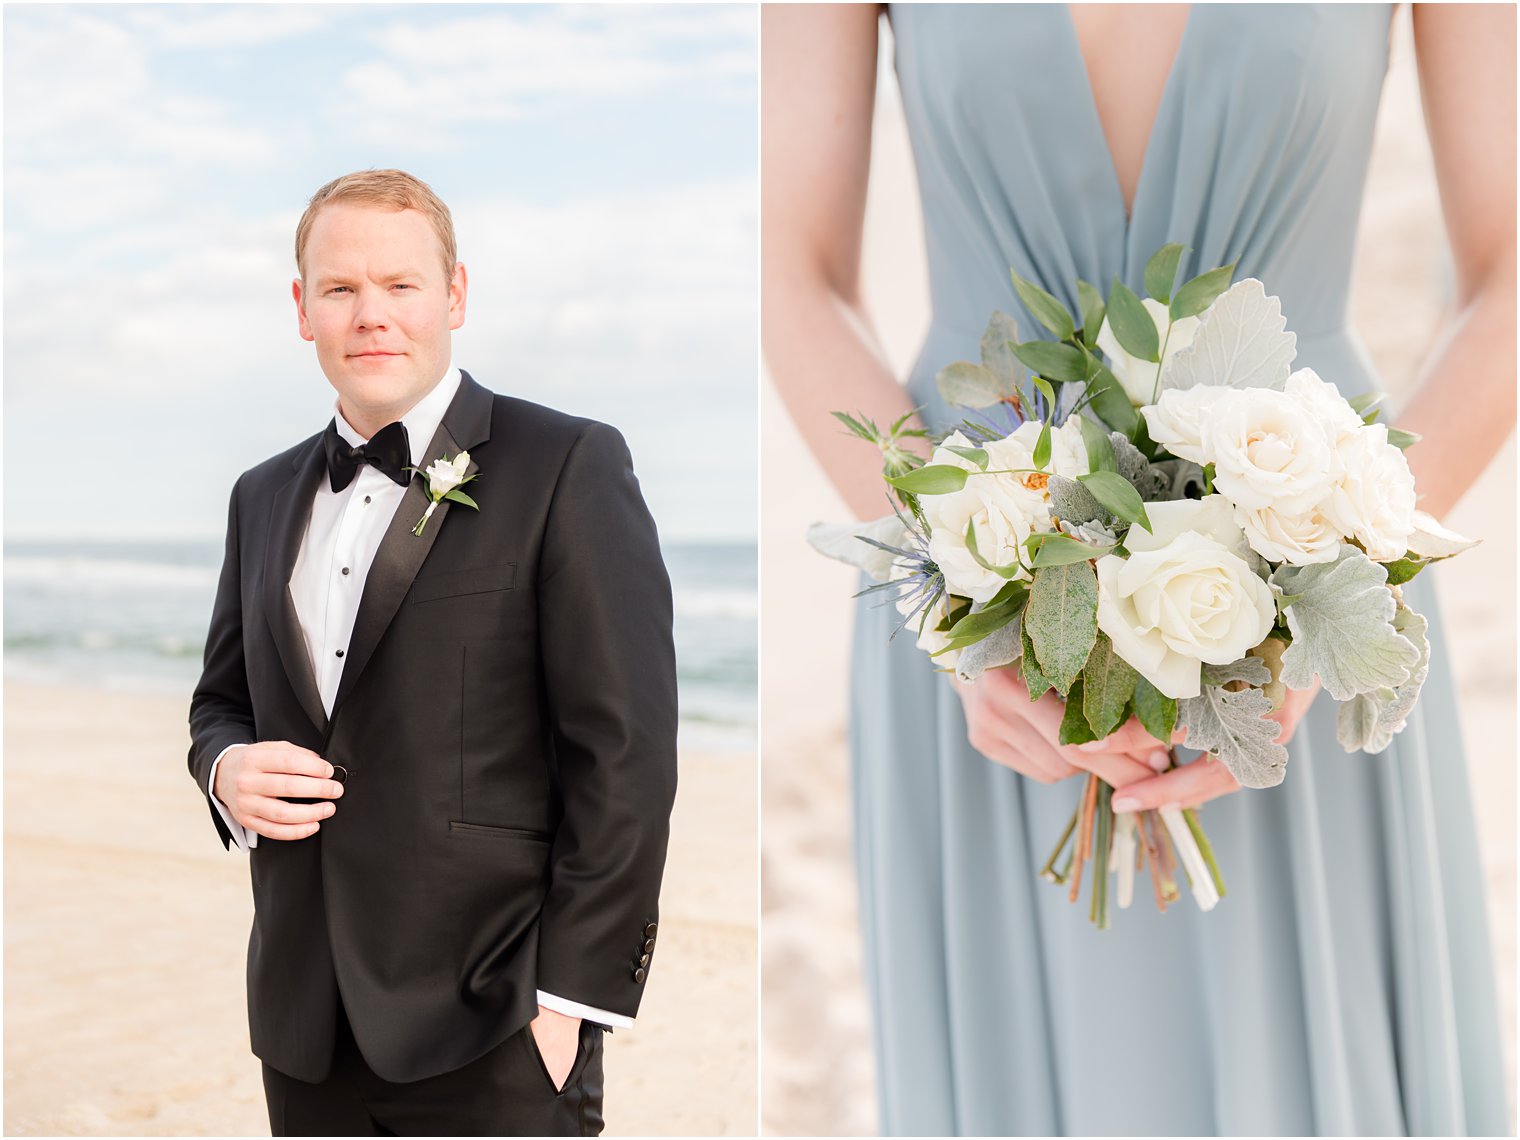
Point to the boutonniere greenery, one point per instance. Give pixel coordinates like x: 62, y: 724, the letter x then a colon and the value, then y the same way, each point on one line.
x: 444, y: 477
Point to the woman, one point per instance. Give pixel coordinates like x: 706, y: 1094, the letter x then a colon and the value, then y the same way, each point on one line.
x: 1346, y: 985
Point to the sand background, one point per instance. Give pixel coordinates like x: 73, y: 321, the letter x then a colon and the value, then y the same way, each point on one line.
x: 126, y: 934
x: 816, y: 1048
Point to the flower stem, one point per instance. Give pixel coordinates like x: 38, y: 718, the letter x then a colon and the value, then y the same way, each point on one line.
x: 1047, y: 872
x: 1204, y: 847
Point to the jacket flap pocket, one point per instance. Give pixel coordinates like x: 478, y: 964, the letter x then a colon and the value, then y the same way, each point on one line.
x: 451, y: 583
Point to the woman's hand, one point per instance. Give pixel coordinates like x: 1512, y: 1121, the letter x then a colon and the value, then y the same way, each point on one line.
x: 1205, y: 779
x: 1005, y: 726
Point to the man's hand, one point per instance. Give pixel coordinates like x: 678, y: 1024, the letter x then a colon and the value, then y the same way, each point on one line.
x: 251, y: 777
x: 557, y: 1036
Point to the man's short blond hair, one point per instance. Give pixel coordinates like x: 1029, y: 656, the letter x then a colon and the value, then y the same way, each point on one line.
x: 387, y: 189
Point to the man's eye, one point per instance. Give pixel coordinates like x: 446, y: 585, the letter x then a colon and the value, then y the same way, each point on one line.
x: 400, y: 285
x: 338, y: 289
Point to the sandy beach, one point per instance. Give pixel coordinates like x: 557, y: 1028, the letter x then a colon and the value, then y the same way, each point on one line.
x: 816, y: 1051
x: 126, y: 928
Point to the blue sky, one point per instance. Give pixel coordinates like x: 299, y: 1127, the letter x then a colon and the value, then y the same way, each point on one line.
x: 600, y: 162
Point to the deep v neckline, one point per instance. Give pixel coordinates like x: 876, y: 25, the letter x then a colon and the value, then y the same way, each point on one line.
x: 1096, y: 121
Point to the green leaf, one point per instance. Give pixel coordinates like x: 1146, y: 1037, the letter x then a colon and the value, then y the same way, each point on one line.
x: 1000, y: 571
x: 1100, y: 452
x: 1091, y: 302
x: 1118, y: 494
x: 975, y: 626
x: 866, y: 431
x: 1058, y: 361
x: 998, y: 339
x: 1132, y: 323
x: 1199, y: 293
x: 1062, y: 620
x: 1364, y: 403
x: 1342, y: 625
x: 1034, y: 679
x: 966, y: 385
x: 1062, y: 550
x: 1402, y: 439
x: 1000, y: 647
x: 1109, y: 400
x: 1404, y: 569
x: 1044, y: 308
x: 1042, y: 447
x: 931, y: 479
x: 1074, y: 726
x: 975, y: 455
x: 1108, y: 683
x: 1233, y: 727
x: 1048, y: 392
x: 1156, y: 710
x: 1161, y: 271
x: 458, y: 496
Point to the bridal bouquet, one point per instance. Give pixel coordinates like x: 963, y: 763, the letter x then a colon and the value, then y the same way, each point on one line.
x: 1155, y: 516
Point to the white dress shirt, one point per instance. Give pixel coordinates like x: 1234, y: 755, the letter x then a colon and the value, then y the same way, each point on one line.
x: 328, y: 580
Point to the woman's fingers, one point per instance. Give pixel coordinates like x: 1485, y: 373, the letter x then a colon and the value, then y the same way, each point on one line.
x: 1187, y: 786
x: 1132, y: 738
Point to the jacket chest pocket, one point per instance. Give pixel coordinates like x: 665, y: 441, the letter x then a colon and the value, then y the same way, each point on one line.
x: 503, y: 772
x: 461, y: 583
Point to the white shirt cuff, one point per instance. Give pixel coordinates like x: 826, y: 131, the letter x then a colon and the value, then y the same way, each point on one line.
x: 590, y: 1013
x: 244, y: 837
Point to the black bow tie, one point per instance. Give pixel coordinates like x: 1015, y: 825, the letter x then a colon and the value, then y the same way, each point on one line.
x: 387, y: 450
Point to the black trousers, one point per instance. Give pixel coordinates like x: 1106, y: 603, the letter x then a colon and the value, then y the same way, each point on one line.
x: 505, y: 1092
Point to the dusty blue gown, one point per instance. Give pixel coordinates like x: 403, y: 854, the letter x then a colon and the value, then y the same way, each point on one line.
x: 1345, y: 985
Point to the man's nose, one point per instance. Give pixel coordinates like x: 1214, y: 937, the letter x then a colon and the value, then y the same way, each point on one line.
x: 371, y: 312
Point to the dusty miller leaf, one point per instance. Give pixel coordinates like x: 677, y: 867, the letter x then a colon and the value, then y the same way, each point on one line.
x: 1062, y: 620
x: 1432, y: 540
x: 1108, y: 683
x: 1000, y: 647
x: 1368, y: 723
x: 1240, y: 343
x: 1131, y: 462
x: 1251, y: 670
x: 1231, y: 725
x: 1071, y: 502
x: 1341, y: 618
x: 843, y: 541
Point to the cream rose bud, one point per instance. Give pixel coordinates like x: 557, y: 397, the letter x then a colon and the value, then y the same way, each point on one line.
x: 1325, y: 403
x: 1269, y: 450
x: 1185, y: 595
x: 1176, y: 421
x: 1139, y: 376
x: 1372, y: 499
x: 446, y: 474
x: 1295, y: 539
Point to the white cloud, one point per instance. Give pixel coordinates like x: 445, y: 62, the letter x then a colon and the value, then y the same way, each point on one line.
x: 199, y: 27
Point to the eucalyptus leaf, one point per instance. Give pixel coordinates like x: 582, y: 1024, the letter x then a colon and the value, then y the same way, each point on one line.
x: 1091, y: 303
x: 1233, y: 727
x: 1132, y: 324
x: 1161, y: 271
x: 998, y: 339
x: 1058, y: 361
x: 1368, y: 722
x: 1201, y: 292
x: 1044, y: 308
x: 1074, y: 727
x: 931, y: 479
x: 1108, y: 683
x: 1403, y: 569
x: 967, y: 385
x: 1118, y: 495
x: 1156, y: 711
x: 1341, y: 618
x: 1239, y: 343
x: 1034, y: 678
x: 1003, y: 646
x: 1062, y: 619
x: 981, y: 623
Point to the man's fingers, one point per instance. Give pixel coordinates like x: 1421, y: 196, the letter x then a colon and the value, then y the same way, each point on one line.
x: 283, y: 756
x: 286, y: 784
x: 1186, y: 786
x: 271, y: 830
x: 279, y: 811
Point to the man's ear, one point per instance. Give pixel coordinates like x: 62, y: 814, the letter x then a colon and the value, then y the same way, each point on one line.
x: 302, y: 324
x: 457, y: 289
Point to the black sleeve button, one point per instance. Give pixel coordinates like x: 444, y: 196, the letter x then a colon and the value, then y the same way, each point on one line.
x: 650, y: 929
x: 639, y: 975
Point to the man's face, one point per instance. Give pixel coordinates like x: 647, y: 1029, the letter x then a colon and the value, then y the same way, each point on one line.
x: 375, y: 302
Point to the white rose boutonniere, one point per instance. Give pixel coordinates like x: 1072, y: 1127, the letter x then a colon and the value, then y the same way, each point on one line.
x: 444, y: 477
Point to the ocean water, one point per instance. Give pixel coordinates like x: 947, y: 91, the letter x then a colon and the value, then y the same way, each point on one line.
x: 132, y: 616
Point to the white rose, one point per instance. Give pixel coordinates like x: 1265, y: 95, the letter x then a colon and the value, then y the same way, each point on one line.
x: 1372, y: 499
x: 931, y: 640
x: 446, y: 474
x: 1005, y: 505
x: 1325, y: 403
x: 1296, y: 539
x: 1139, y: 376
x: 1269, y: 451
x: 1185, y: 595
x: 1176, y: 421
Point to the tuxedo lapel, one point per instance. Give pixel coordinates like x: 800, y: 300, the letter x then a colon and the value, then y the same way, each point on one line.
x: 287, y: 525
x: 465, y: 425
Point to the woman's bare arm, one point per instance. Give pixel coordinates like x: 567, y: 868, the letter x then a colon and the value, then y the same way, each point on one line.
x: 1464, y: 401
x: 818, y: 94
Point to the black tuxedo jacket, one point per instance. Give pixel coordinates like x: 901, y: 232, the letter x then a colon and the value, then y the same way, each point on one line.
x: 507, y: 718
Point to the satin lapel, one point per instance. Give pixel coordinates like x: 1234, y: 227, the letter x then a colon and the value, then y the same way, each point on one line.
x: 465, y: 425
x: 287, y: 525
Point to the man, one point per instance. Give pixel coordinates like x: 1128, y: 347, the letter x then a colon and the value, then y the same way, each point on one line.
x: 449, y: 748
